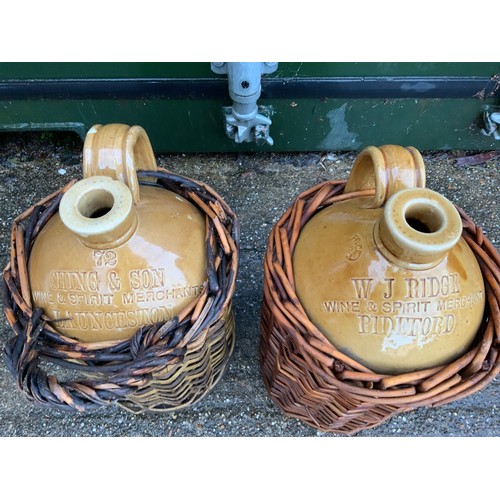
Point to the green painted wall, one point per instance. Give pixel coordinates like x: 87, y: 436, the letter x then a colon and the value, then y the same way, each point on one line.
x: 196, y: 125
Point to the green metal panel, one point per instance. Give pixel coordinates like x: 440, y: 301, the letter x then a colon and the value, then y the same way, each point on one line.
x: 299, y: 124
x: 309, y: 125
x: 202, y: 69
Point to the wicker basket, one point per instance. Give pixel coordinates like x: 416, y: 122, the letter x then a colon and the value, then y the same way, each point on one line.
x: 163, y: 367
x: 309, y: 379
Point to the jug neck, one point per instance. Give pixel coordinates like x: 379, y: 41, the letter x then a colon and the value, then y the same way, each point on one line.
x: 100, y: 211
x: 418, y: 227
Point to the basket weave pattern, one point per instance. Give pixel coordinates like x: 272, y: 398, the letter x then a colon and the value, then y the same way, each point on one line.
x: 163, y: 367
x: 309, y: 379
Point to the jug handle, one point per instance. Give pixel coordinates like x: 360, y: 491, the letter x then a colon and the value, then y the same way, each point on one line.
x: 118, y: 151
x: 386, y: 169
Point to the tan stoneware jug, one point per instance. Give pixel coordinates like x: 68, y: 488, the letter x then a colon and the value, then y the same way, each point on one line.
x: 388, y: 278
x: 117, y: 256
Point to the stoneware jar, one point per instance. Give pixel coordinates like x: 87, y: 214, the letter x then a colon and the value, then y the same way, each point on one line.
x: 387, y: 277
x: 117, y: 256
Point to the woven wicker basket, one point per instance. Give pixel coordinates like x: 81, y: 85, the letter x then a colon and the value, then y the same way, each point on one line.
x: 309, y: 379
x: 163, y: 367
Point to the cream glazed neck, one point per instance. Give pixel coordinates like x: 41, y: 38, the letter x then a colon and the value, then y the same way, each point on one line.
x: 418, y: 227
x: 100, y: 211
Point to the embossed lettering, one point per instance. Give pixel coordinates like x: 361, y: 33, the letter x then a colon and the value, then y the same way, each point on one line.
x: 388, y: 292
x: 105, y: 258
x: 371, y: 324
x: 341, y: 306
x: 147, y: 278
x: 356, y: 248
x: 43, y: 297
x: 417, y: 288
x: 362, y: 287
x: 90, y: 299
x: 84, y: 281
x: 417, y: 307
x: 467, y: 301
x: 99, y: 320
x: 161, y: 295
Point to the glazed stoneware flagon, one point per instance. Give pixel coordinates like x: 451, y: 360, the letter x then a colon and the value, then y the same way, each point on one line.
x: 117, y: 256
x: 387, y: 278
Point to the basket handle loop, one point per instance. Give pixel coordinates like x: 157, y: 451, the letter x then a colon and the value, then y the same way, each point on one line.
x: 118, y: 151
x: 387, y: 169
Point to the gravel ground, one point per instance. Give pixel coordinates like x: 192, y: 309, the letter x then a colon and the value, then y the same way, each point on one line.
x: 258, y: 187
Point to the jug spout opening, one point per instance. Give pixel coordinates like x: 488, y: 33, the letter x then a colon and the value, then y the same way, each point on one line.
x: 95, y: 203
x: 100, y: 211
x: 418, y: 228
